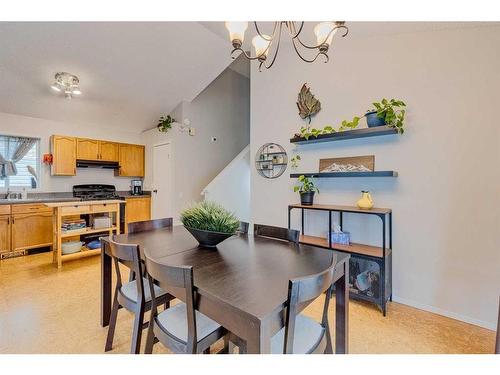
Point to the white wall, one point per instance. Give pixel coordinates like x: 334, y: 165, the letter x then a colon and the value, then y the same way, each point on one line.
x: 446, y: 198
x: 231, y: 187
x: 35, y: 127
x: 221, y: 111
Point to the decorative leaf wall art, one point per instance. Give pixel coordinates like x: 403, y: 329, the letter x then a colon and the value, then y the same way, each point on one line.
x: 307, y: 104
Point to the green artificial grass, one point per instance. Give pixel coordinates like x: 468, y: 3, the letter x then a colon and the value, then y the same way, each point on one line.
x: 210, y: 216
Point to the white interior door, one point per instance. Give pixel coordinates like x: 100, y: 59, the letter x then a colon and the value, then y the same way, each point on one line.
x: 162, y: 181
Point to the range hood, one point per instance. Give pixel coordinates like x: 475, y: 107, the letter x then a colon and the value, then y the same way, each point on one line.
x: 97, y: 164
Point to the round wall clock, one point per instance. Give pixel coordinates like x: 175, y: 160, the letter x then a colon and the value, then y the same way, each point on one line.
x: 271, y: 160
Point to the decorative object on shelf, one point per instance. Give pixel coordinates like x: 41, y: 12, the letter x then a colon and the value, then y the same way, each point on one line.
x: 271, y: 160
x: 339, y: 237
x: 387, y: 112
x: 209, y: 223
x: 308, y: 132
x: 66, y: 83
x: 262, y: 43
x: 165, y: 123
x: 294, y: 161
x: 348, y: 164
x: 306, y: 189
x: 307, y: 104
x: 366, y: 201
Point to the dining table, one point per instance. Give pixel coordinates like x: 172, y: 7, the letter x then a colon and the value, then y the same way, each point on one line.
x: 242, y: 283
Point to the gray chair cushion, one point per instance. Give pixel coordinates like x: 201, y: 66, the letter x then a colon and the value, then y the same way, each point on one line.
x: 174, y: 321
x: 130, y: 290
x: 307, y: 334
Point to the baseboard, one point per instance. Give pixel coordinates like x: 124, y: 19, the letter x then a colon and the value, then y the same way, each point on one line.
x: 448, y: 314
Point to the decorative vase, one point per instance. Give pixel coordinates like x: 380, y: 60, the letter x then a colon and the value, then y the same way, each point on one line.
x: 373, y: 120
x: 366, y: 201
x: 307, y: 198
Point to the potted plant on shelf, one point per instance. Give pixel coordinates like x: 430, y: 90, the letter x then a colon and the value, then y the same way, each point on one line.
x: 209, y: 223
x: 306, y: 189
x: 387, y: 112
x: 165, y: 123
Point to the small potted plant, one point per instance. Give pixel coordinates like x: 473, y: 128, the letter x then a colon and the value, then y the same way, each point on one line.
x: 165, y: 123
x: 306, y: 189
x: 209, y: 223
x: 387, y: 112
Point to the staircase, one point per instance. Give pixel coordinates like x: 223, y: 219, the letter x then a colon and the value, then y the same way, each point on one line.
x: 231, y: 187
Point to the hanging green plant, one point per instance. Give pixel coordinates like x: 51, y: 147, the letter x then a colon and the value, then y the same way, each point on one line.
x: 307, y: 104
x: 165, y: 123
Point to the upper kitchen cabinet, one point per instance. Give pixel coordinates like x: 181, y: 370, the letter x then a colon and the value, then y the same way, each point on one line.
x: 87, y: 149
x: 63, y: 150
x: 131, y: 159
x: 108, y: 151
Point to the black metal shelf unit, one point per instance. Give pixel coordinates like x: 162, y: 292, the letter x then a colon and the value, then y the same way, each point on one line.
x: 373, y: 263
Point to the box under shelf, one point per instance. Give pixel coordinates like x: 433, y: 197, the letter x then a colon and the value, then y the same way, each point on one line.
x: 354, y: 248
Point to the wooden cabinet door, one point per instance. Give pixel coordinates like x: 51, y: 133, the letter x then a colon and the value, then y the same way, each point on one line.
x: 4, y: 233
x: 137, y: 209
x: 108, y: 151
x: 31, y: 230
x: 131, y: 160
x: 87, y: 149
x: 64, y: 155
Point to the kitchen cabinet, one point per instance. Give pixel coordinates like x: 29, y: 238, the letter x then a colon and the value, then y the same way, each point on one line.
x: 31, y: 230
x: 131, y: 159
x: 108, y: 151
x: 137, y: 209
x: 63, y: 151
x: 87, y: 149
x: 4, y: 233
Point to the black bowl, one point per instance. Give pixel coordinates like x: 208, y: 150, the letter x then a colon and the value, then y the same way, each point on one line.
x: 207, y: 238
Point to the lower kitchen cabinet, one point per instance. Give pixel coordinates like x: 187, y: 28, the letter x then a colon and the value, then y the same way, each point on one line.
x: 4, y: 233
x: 31, y: 230
x: 137, y: 209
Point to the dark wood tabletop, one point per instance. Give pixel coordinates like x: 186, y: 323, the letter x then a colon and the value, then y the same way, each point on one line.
x: 243, y: 284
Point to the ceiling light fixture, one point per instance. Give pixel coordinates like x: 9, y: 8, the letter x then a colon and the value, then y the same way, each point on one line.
x: 262, y: 43
x: 67, y: 83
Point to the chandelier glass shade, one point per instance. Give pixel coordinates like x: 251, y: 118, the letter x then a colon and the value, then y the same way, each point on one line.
x: 66, y: 83
x: 263, y: 44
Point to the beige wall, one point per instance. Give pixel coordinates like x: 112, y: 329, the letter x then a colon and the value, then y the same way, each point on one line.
x: 221, y: 111
x: 446, y: 198
x: 35, y: 127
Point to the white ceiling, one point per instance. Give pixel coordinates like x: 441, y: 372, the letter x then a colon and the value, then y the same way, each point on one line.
x: 130, y: 73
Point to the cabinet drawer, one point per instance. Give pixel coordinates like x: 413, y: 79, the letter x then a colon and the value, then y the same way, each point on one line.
x: 75, y: 210
x: 29, y: 208
x: 4, y: 209
x: 104, y: 207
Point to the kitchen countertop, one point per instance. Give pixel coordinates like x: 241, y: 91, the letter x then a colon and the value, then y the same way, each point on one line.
x: 83, y: 203
x: 34, y: 198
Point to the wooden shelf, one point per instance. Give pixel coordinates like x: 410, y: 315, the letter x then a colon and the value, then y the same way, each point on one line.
x: 348, y: 134
x: 77, y: 232
x: 346, y: 174
x: 80, y: 254
x: 355, y: 248
x: 330, y: 207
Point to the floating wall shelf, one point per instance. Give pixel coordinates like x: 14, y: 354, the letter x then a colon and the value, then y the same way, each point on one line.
x: 348, y: 134
x: 347, y: 174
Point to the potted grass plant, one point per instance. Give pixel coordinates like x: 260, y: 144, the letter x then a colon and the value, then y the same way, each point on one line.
x: 306, y: 189
x: 209, y: 223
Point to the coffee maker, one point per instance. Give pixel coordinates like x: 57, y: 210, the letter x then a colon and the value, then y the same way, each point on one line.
x: 136, y: 186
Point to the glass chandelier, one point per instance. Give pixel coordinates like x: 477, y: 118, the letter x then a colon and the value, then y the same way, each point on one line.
x: 262, y: 43
x: 67, y: 83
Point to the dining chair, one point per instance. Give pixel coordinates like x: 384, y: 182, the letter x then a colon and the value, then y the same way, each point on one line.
x: 243, y: 228
x: 302, y: 334
x: 135, y: 295
x: 181, y: 328
x: 142, y: 226
x: 279, y: 233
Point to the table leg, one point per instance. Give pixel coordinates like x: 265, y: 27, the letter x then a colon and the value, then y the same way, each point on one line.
x: 105, y: 285
x: 342, y: 312
x: 260, y: 343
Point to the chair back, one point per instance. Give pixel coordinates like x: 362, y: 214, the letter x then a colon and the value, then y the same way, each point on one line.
x: 301, y: 292
x: 142, y: 226
x: 243, y: 228
x: 279, y: 233
x: 178, y: 280
x: 128, y: 255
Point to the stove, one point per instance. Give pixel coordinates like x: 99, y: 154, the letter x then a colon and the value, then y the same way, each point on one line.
x: 89, y: 192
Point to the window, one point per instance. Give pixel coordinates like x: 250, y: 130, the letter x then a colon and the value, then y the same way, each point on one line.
x: 19, y: 162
